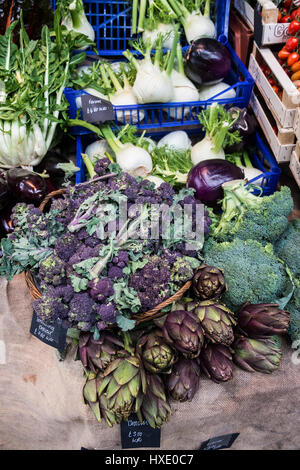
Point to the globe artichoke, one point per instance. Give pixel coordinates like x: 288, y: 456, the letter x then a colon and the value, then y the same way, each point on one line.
x: 262, y: 320
x: 261, y: 355
x: 183, y: 382
x: 155, y: 406
x: 216, y: 362
x: 98, y: 354
x: 157, y: 356
x: 208, y: 282
x: 216, y: 320
x: 98, y: 405
x: 123, y: 384
x: 183, y: 331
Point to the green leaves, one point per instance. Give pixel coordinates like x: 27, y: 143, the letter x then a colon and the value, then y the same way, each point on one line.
x: 79, y: 284
x: 124, y: 323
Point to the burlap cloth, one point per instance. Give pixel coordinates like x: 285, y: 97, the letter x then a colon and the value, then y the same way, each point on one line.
x: 41, y: 405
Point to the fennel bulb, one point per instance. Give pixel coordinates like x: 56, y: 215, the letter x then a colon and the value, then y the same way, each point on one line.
x: 197, y: 26
x: 217, y: 124
x: 155, y: 179
x: 20, y: 148
x: 184, y: 89
x: 74, y: 18
x: 131, y: 158
x: 177, y: 140
x: 207, y: 92
x: 97, y: 150
x: 123, y: 95
x: 204, y: 150
x: 251, y: 173
x: 166, y: 30
x: 153, y: 84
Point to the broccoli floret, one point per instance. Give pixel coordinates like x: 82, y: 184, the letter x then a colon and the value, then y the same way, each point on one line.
x: 246, y: 216
x: 101, y: 289
x: 107, y: 312
x: 82, y: 308
x: 287, y: 247
x: 49, y: 307
x: 52, y: 270
x: 66, y: 246
x: 152, y: 282
x: 181, y: 271
x: 252, y: 271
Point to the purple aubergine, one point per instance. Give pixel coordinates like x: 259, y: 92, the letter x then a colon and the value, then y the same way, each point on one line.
x: 246, y: 125
x: 208, y: 176
x: 207, y: 61
x: 4, y: 197
x: 26, y: 186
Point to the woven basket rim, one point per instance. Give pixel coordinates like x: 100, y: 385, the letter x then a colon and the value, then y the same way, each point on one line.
x: 156, y: 312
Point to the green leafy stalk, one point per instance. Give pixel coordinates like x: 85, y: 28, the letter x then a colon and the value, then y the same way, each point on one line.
x: 89, y: 165
x: 143, y: 5
x: 170, y: 65
x: 134, y: 17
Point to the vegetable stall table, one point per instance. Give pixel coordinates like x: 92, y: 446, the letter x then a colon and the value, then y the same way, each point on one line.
x: 42, y: 408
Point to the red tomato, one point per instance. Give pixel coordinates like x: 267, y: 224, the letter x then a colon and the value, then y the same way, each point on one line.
x: 293, y: 58
x: 283, y: 54
x: 295, y: 14
x: 294, y: 27
x: 272, y: 81
x: 286, y: 19
x: 291, y: 44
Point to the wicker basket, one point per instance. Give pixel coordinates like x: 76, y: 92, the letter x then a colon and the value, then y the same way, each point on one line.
x: 155, y: 312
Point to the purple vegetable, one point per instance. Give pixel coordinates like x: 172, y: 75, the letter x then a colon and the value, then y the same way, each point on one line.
x: 208, y: 176
x: 26, y: 186
x: 246, y: 125
x: 207, y: 61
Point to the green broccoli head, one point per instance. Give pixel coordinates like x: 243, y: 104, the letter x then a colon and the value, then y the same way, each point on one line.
x: 252, y: 271
x: 257, y: 218
x: 287, y: 247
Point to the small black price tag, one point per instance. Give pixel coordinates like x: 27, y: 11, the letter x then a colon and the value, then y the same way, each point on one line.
x: 53, y: 335
x: 220, y: 442
x: 96, y: 109
x: 136, y: 434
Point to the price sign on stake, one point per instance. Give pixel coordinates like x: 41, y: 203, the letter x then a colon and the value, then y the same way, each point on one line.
x: 53, y: 335
x: 136, y: 434
x: 96, y: 109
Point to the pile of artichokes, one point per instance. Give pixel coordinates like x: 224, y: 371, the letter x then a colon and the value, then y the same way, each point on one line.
x: 142, y: 373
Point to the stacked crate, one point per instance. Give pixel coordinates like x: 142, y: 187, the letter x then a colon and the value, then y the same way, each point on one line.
x: 276, y: 116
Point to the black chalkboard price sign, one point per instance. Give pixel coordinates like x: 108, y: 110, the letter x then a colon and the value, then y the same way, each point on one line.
x: 96, y: 109
x: 136, y: 434
x: 53, y: 335
x: 220, y: 442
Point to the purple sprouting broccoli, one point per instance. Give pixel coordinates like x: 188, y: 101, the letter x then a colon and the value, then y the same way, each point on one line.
x: 50, y: 307
x: 107, y: 312
x: 102, y: 166
x: 52, y: 270
x: 82, y: 308
x: 66, y: 246
x: 152, y: 282
x: 90, y: 240
x: 101, y: 289
x: 83, y: 252
x: 121, y: 259
x: 171, y: 256
x: 66, y: 293
x: 114, y: 272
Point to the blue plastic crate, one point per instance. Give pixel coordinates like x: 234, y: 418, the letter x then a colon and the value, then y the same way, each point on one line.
x: 261, y: 158
x: 157, y: 115
x: 111, y: 20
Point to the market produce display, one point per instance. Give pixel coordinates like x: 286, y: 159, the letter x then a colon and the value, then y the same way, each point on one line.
x: 152, y: 304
